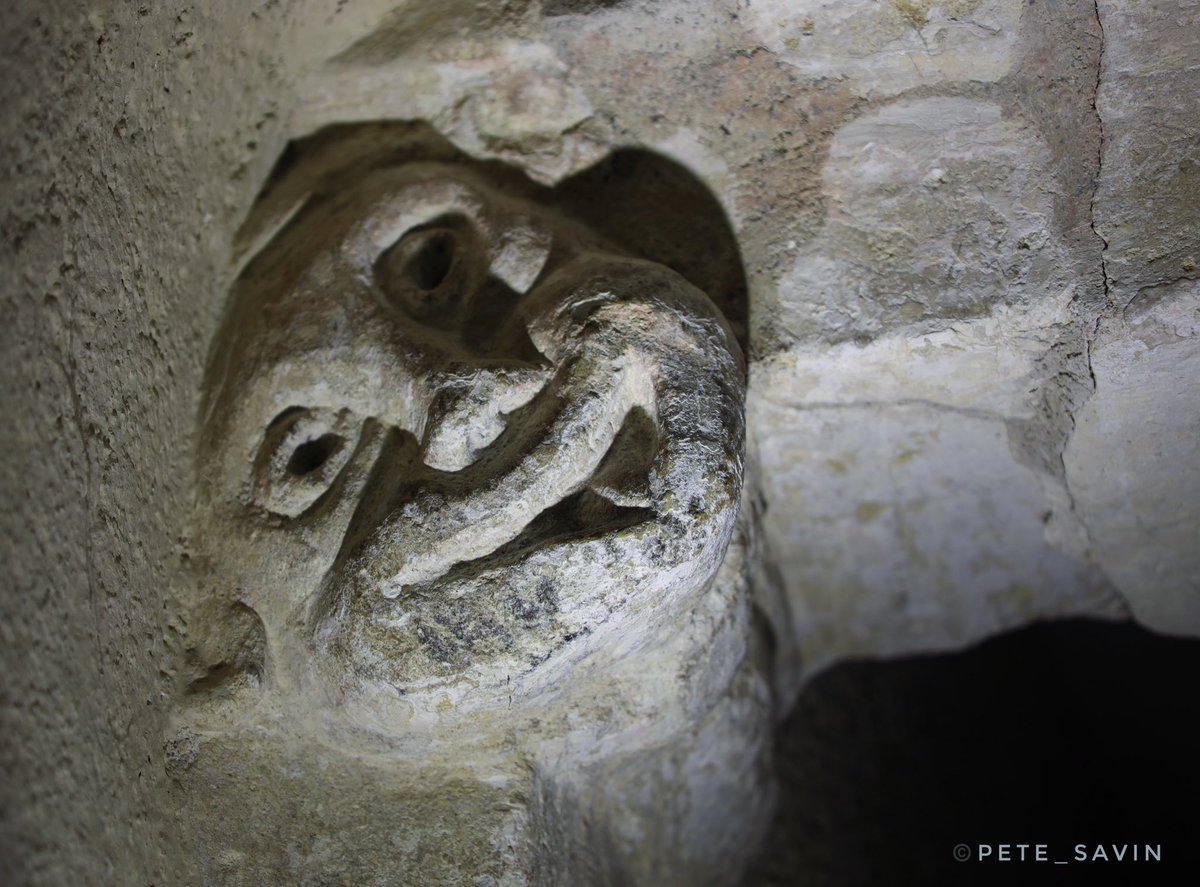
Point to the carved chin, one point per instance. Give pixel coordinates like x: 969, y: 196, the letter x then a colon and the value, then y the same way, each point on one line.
x: 498, y: 617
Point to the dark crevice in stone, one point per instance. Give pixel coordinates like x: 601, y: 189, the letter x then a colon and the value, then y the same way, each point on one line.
x: 1100, y: 155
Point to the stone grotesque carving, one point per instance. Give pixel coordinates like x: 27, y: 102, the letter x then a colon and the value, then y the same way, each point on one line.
x: 457, y: 447
x: 475, y: 429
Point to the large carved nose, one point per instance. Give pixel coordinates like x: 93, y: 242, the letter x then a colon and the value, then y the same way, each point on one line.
x: 455, y: 286
x: 470, y: 407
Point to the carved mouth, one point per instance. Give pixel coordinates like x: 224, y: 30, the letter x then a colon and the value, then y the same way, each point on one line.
x: 474, y: 607
x: 614, y: 495
x: 434, y: 610
x: 582, y: 516
x: 588, y: 430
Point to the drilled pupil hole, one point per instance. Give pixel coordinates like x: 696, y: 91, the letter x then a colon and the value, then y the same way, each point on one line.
x: 433, y: 260
x: 312, y: 454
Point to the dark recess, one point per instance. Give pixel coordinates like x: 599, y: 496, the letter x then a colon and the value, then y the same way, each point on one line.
x: 1062, y: 733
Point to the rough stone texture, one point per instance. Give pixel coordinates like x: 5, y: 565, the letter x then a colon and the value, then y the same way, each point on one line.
x: 466, y: 476
x: 914, y: 426
x: 1132, y: 461
x: 123, y: 162
x: 968, y: 232
x: 884, y: 49
x: 1132, y: 464
x: 936, y: 210
x: 1149, y: 93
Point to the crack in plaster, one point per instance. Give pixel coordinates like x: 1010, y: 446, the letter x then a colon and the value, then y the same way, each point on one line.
x: 1099, y: 160
x: 1090, y: 334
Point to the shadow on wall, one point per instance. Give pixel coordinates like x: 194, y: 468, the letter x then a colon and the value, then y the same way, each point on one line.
x: 1076, y: 735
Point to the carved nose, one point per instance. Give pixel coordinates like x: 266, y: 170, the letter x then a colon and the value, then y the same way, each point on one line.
x: 470, y: 409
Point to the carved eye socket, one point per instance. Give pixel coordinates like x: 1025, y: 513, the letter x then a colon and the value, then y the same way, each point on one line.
x: 302, y: 454
x: 312, y: 455
x: 430, y: 272
x: 431, y: 260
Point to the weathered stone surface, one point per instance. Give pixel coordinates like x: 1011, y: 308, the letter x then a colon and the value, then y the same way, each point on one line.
x: 935, y: 210
x: 883, y: 49
x: 1133, y: 460
x: 906, y: 512
x: 896, y: 318
x: 1149, y: 101
x: 512, y: 99
x: 123, y: 164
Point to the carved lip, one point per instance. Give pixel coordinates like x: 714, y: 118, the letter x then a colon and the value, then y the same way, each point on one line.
x: 606, y: 492
x: 578, y: 517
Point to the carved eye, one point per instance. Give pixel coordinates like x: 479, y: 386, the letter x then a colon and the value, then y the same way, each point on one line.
x: 313, y: 455
x: 431, y: 271
x: 302, y: 454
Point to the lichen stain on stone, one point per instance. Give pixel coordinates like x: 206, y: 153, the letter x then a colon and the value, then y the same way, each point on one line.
x: 915, y: 12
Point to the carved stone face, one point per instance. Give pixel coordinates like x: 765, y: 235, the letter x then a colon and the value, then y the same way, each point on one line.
x: 451, y: 435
